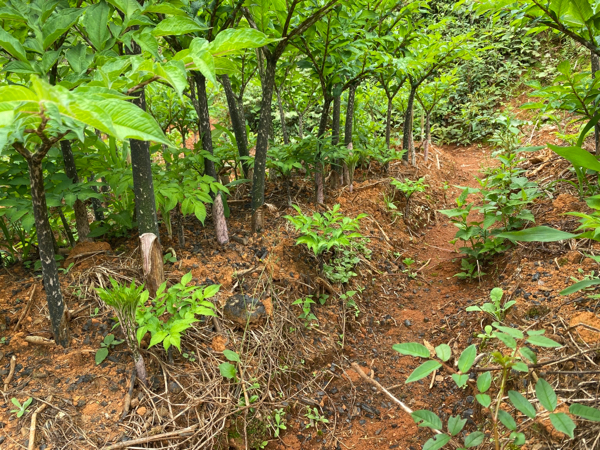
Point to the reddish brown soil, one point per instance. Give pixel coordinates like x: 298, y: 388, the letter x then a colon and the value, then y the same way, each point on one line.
x: 393, y: 309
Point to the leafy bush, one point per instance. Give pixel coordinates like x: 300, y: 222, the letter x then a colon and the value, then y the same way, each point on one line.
x: 499, y: 428
x: 182, y: 302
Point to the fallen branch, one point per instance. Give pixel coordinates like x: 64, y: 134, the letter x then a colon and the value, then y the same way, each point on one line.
x: 127, y: 401
x: 27, y: 307
x: 11, y: 372
x: 39, y: 340
x: 31, y: 445
x: 158, y: 437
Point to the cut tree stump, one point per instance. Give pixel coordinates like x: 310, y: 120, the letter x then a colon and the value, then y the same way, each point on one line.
x: 152, y: 262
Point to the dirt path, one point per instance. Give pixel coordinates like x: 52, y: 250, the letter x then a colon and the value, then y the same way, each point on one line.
x: 430, y: 307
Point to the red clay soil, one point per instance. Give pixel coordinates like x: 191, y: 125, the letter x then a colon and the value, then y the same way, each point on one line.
x: 393, y: 308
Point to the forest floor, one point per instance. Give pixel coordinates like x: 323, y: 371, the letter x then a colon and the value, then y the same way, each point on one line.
x: 285, y: 365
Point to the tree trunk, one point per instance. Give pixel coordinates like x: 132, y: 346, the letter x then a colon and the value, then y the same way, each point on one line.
x: 56, y: 305
x: 262, y: 142
x: 388, y: 123
x: 96, y: 204
x: 596, y: 68
x: 218, y: 211
x: 319, y: 194
x: 66, y: 226
x: 407, y: 139
x: 286, y: 139
x: 81, y: 219
x: 348, y: 126
x: 238, y: 125
x: 427, y: 141
x: 335, y: 140
x: 301, y: 126
x: 152, y: 262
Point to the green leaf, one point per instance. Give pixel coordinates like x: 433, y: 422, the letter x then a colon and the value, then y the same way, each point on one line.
x: 186, y: 278
x: 529, y: 354
x: 542, y: 341
x: 460, y: 379
x: 507, y: 420
x: 412, y: 349
x: 455, y: 425
x: 537, y: 234
x: 436, y: 442
x: 58, y: 23
x: 203, y: 59
x: 484, y: 400
x: 520, y: 367
x: 177, y: 25
x: 513, y: 332
x: 227, y: 370
x: 211, y: 290
x: 444, y: 352
x: 235, y: 39
x: 426, y: 418
x: 522, y: 404
x: 484, y: 381
x: 546, y: 394
x: 466, y: 358
x: 131, y: 122
x: 101, y: 355
x: 12, y: 46
x: 95, y: 23
x: 506, y: 339
x: 563, y: 423
x: 585, y: 412
x: 231, y: 355
x: 577, y: 156
x: 423, y: 370
x: 579, y: 286
x: 157, y: 338
x: 474, y: 439
x: 518, y: 438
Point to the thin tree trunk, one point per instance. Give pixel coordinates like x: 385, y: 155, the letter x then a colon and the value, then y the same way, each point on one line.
x: 262, y: 142
x: 596, y: 68
x: 96, y: 204
x: 301, y: 126
x: 335, y: 140
x: 427, y: 141
x: 407, y: 139
x: 56, y: 305
x: 286, y: 139
x: 81, y: 220
x: 319, y: 194
x: 141, y: 167
x: 348, y: 126
x: 388, y: 123
x: 218, y: 212
x: 66, y: 226
x: 238, y: 125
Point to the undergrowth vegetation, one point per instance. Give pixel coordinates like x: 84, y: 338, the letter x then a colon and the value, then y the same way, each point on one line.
x: 151, y: 119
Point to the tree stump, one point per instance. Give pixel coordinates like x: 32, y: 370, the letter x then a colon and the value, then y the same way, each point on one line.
x: 152, y: 262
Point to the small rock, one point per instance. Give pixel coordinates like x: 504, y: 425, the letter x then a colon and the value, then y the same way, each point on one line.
x: 39, y: 374
x: 174, y: 387
x: 535, y: 277
x: 467, y: 413
x: 244, y: 310
x: 408, y: 323
x: 142, y: 411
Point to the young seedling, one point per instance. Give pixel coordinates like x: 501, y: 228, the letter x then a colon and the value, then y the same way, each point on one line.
x: 307, y: 314
x: 21, y: 408
x: 105, y: 346
x: 495, y: 309
x: 408, y: 262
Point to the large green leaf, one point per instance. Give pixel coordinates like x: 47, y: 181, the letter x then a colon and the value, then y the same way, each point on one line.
x: 436, y: 442
x: 542, y: 341
x: 423, y: 370
x: 474, y: 439
x: 203, y: 59
x: 507, y: 420
x: 484, y: 381
x: 522, y: 404
x: 12, y: 46
x: 577, y: 156
x: 456, y: 424
x: 177, y: 25
x: 444, y: 352
x: 546, y: 394
x: 130, y: 122
x: 537, y: 234
x: 232, y: 40
x: 58, y: 24
x: 585, y: 412
x: 426, y: 418
x: 579, y: 286
x: 95, y: 23
x: 466, y: 359
x: 412, y: 349
x: 563, y: 423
